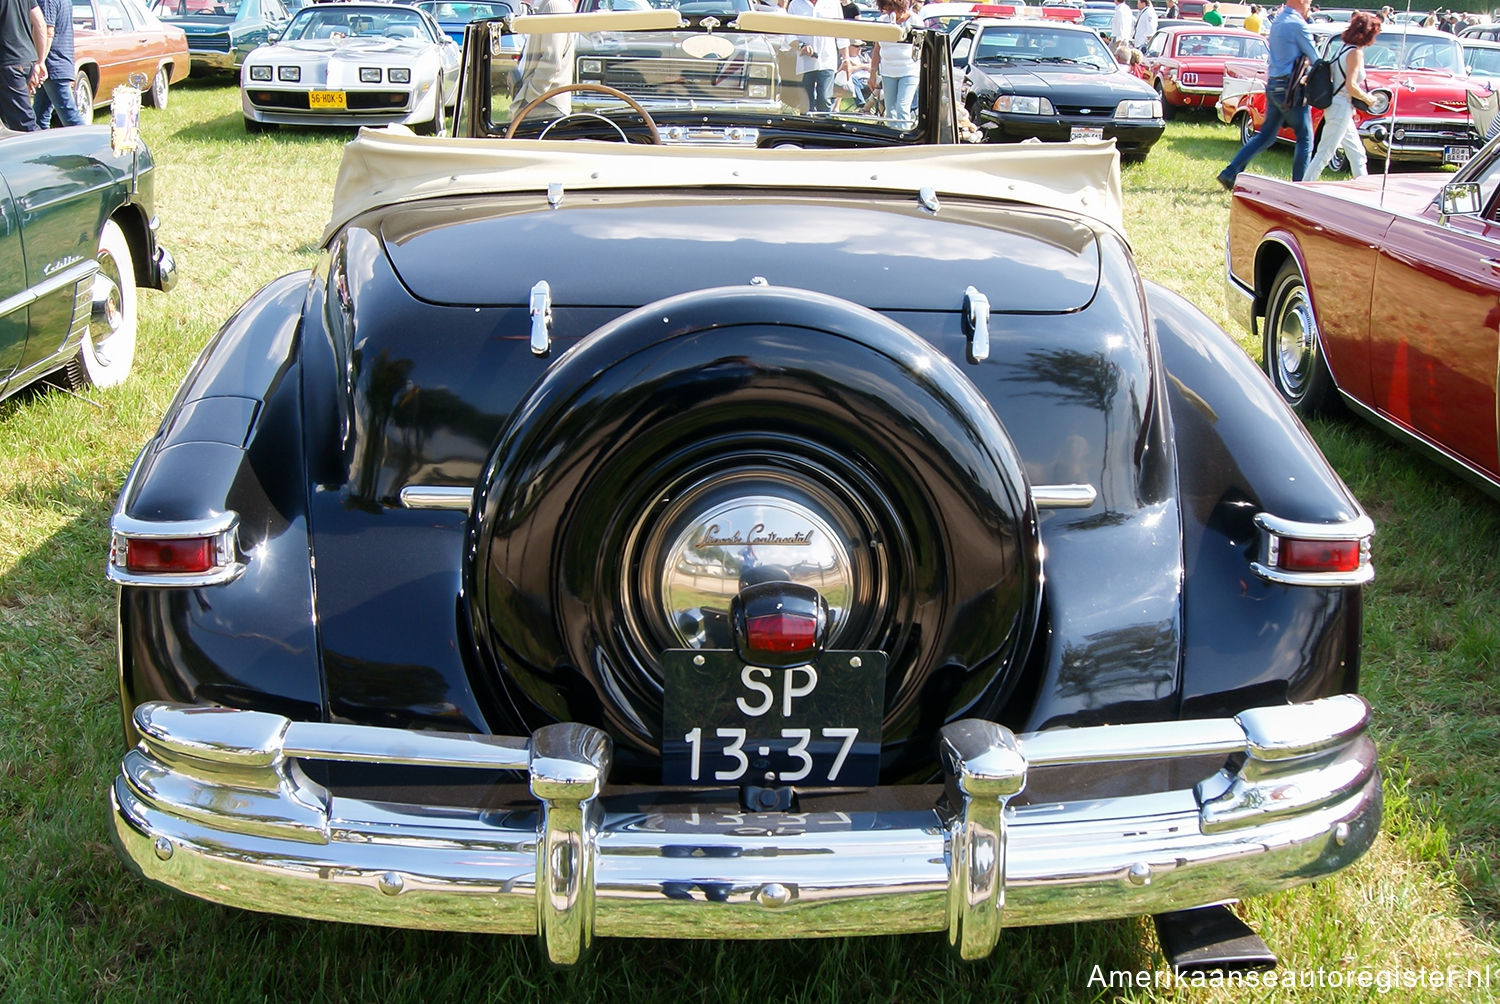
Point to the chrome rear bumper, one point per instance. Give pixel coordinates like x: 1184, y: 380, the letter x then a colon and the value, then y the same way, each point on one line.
x: 214, y: 803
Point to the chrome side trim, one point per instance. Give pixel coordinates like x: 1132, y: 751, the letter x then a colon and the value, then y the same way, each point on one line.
x: 461, y: 498
x: 1063, y: 496
x: 1426, y: 447
x: 437, y: 497
x: 1275, y: 529
x: 51, y: 284
x: 223, y: 527
x: 214, y: 802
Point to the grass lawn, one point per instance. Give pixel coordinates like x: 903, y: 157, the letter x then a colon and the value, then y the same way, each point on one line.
x: 238, y: 210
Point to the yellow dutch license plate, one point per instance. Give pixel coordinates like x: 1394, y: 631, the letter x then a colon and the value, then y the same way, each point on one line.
x: 326, y: 99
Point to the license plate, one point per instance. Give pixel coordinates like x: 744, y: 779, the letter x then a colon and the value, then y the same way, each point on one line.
x: 1456, y: 154
x: 1086, y: 132
x: 745, y: 824
x: 725, y: 723
x: 326, y: 99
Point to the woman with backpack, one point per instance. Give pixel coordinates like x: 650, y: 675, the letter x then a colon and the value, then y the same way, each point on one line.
x: 1348, y: 87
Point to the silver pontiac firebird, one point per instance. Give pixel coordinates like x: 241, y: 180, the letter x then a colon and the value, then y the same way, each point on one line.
x: 353, y: 64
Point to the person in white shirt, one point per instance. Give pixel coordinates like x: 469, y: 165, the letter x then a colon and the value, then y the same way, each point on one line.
x: 1124, y: 23
x: 894, y: 67
x: 1145, y: 24
x: 817, y: 56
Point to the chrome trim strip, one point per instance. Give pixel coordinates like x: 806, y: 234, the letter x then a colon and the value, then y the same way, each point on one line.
x: 437, y: 497
x: 244, y: 826
x: 1063, y: 496
x: 1427, y: 448
x: 224, y: 527
x: 1273, y: 529
x: 51, y: 284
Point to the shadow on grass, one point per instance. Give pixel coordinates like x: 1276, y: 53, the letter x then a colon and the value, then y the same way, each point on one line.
x: 231, y: 129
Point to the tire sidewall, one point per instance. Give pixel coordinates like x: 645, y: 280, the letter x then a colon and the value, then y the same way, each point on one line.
x: 83, y: 97
x: 160, y: 90
x: 1311, y: 399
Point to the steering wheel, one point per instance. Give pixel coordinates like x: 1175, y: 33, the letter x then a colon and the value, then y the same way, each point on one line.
x: 594, y: 88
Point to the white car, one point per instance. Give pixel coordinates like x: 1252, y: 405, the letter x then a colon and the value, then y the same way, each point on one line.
x: 1482, y: 61
x: 353, y: 64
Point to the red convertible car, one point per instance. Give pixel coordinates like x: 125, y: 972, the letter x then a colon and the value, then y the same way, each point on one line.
x: 1425, y: 118
x: 1185, y: 63
x: 1383, y: 294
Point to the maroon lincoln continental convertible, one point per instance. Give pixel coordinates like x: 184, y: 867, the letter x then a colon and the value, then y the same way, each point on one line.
x: 1382, y: 294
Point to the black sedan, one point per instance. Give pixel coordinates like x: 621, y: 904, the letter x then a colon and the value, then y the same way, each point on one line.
x: 1053, y: 81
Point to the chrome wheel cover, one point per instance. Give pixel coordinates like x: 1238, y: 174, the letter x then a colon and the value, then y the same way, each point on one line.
x: 746, y: 525
x: 108, y: 313
x: 1296, y: 343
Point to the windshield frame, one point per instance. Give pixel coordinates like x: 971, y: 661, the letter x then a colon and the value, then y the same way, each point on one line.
x: 495, y: 46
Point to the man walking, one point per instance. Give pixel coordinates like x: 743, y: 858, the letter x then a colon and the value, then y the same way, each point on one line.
x: 1290, y: 40
x: 1145, y: 24
x: 57, y: 90
x: 1123, y: 25
x: 23, y: 40
x: 818, y: 56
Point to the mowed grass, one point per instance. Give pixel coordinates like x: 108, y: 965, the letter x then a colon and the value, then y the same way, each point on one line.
x: 239, y: 210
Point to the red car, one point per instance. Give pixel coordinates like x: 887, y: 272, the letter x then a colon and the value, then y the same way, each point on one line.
x: 1382, y: 294
x: 1424, y: 119
x: 1185, y: 63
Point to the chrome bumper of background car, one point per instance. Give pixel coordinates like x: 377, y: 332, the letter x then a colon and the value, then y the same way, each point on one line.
x: 1421, y: 140
x: 214, y: 802
x: 163, y: 269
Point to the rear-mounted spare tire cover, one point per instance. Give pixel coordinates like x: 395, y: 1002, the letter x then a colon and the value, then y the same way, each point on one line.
x: 723, y: 404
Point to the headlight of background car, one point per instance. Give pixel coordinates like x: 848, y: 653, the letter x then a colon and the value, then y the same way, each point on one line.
x: 399, y: 74
x: 1021, y: 104
x: 369, y: 74
x: 291, y: 74
x: 260, y: 73
x: 592, y: 67
x: 1139, y: 109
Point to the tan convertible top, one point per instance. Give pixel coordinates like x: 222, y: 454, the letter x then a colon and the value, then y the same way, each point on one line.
x: 386, y: 167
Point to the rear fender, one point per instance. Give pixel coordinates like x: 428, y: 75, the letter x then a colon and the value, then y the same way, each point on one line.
x: 1241, y: 452
x: 229, y: 444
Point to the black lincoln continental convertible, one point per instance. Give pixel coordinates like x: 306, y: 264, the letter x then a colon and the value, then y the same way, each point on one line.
x: 658, y: 515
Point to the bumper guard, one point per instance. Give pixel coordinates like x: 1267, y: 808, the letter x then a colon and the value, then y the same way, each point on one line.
x: 214, y: 802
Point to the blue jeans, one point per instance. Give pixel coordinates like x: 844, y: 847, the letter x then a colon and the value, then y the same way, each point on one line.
x: 59, y: 93
x: 15, y: 98
x: 1300, y: 119
x: 900, y: 99
x: 819, y: 87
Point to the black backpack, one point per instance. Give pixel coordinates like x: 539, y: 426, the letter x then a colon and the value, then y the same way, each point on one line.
x: 1319, y: 89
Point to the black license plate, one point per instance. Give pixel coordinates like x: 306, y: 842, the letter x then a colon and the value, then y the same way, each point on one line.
x: 725, y: 723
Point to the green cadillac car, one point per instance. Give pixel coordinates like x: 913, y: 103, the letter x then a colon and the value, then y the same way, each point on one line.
x: 77, y: 236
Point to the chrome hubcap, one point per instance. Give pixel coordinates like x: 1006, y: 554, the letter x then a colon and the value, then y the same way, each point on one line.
x: 108, y: 312
x: 745, y: 540
x: 1295, y: 344
x: 741, y: 526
